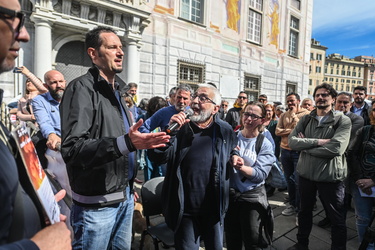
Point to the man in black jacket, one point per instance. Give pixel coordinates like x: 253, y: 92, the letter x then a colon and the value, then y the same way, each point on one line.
x: 360, y: 106
x: 196, y: 186
x: 98, y: 144
x: 233, y: 116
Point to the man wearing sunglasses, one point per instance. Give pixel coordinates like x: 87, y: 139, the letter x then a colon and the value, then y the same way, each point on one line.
x: 19, y: 218
x: 11, y: 24
x: 233, y: 116
x: 322, y: 138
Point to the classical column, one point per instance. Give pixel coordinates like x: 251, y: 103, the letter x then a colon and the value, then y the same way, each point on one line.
x: 43, y: 47
x: 131, y: 66
x: 134, y: 26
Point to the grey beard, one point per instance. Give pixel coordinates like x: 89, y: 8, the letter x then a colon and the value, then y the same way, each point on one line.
x: 57, y: 95
x: 202, y: 117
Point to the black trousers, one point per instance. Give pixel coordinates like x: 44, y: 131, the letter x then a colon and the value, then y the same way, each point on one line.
x: 332, y: 195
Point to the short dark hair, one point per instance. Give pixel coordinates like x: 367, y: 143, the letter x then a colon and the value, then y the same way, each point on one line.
x: 143, y: 103
x: 156, y: 103
x: 295, y: 94
x: 331, y: 91
x: 361, y: 88
x: 346, y: 94
x: 263, y: 95
x: 93, y: 39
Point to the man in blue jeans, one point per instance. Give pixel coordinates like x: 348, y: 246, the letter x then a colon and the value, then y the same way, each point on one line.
x: 98, y: 144
x: 289, y: 157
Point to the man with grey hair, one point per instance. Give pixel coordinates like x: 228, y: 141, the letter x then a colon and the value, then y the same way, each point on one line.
x: 162, y: 116
x: 308, y: 104
x: 196, y: 188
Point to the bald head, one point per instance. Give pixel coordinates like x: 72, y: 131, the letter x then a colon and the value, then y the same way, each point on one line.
x: 55, y: 82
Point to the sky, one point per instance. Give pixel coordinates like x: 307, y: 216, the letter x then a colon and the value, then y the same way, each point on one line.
x: 346, y: 27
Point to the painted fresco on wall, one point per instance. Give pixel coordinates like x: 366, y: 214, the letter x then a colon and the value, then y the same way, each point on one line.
x: 274, y: 19
x: 233, y: 14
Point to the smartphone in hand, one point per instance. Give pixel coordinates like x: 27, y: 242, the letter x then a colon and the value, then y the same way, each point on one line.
x: 17, y: 70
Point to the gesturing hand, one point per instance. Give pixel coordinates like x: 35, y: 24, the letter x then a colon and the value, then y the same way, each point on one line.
x: 147, y: 140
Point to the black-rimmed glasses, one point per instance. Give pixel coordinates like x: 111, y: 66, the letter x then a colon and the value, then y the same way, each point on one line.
x: 12, y: 15
x: 253, y: 117
x: 203, y: 98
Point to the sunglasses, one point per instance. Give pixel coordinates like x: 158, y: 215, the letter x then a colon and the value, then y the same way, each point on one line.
x: 13, y: 15
x: 224, y: 105
x: 261, y: 100
x: 242, y: 97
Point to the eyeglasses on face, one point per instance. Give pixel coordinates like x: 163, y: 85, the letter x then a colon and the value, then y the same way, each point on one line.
x: 17, y: 17
x: 324, y: 95
x: 252, y: 116
x: 224, y: 105
x: 242, y: 97
x: 262, y: 100
x: 203, y: 98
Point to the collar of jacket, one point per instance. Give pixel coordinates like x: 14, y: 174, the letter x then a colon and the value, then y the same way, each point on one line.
x: 119, y: 83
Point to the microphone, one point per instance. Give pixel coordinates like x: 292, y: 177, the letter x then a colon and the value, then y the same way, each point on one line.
x: 175, y: 125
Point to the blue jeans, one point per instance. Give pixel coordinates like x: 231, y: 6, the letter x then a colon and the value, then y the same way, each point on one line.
x: 188, y: 234
x: 289, y: 160
x: 103, y: 228
x: 363, y: 211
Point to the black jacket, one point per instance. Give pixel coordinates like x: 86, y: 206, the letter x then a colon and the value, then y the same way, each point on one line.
x: 365, y: 113
x: 233, y: 117
x: 174, y: 153
x: 91, y: 120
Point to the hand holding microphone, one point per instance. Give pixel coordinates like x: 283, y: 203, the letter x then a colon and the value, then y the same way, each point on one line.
x: 177, y: 123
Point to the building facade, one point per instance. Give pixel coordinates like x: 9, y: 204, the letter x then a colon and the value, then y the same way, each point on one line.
x: 317, y: 64
x: 343, y: 73
x: 260, y: 46
x: 368, y: 76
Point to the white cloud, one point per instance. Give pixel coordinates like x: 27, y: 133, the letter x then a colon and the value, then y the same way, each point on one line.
x: 334, y: 14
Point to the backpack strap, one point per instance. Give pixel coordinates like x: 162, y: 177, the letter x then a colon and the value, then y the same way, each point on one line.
x: 259, y: 142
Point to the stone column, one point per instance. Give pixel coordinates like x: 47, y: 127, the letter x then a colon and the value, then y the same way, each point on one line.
x: 131, y: 66
x: 134, y: 26
x: 43, y: 47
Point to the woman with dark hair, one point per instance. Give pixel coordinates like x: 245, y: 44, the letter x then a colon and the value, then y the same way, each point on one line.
x: 270, y: 124
x: 152, y: 170
x: 361, y: 164
x: 251, y: 166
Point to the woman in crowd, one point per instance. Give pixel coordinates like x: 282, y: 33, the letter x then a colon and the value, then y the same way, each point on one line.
x: 34, y: 86
x: 248, y: 200
x: 361, y: 163
x: 271, y: 123
x: 152, y: 170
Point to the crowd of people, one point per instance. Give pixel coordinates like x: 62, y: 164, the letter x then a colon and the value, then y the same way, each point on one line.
x: 87, y: 133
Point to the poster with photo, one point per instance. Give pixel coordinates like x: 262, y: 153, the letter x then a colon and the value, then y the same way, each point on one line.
x: 37, y: 175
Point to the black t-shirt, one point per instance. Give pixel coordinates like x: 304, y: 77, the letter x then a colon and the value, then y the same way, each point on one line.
x: 197, y: 172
